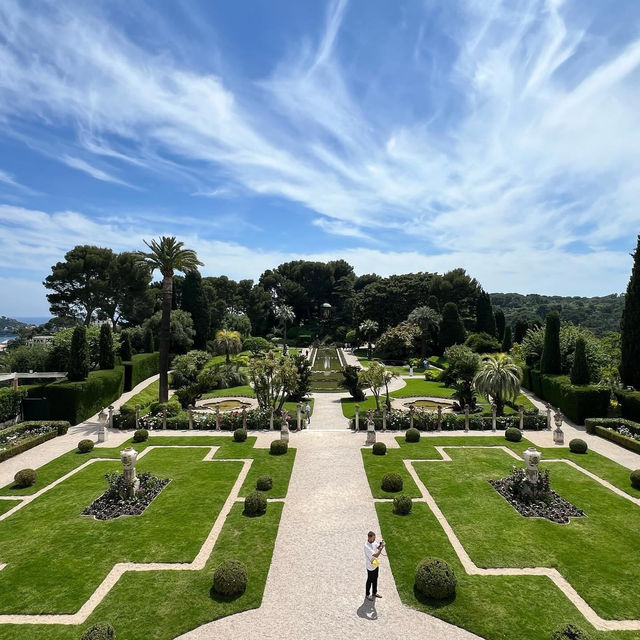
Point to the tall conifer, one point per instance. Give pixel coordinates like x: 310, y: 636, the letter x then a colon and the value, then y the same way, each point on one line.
x: 79, y: 361
x: 451, y: 328
x: 485, y: 321
x: 580, y: 368
x: 630, y: 326
x: 500, y: 324
x: 106, y: 355
x: 550, y: 361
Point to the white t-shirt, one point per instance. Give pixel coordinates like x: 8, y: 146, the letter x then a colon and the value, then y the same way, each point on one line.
x: 369, y: 549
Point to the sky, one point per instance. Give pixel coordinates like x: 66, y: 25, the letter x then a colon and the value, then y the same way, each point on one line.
x: 404, y: 136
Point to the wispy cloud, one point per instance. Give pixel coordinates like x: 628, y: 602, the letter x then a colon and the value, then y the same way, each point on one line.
x: 94, y: 172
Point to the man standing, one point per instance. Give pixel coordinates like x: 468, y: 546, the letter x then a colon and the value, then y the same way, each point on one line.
x: 372, y: 550
x: 307, y: 411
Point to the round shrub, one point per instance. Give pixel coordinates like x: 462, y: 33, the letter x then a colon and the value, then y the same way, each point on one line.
x: 379, y: 448
x: 84, y: 446
x: 230, y: 578
x: 25, y: 478
x: 635, y: 479
x: 570, y: 632
x: 402, y: 505
x: 513, y: 434
x: 264, y: 483
x: 435, y: 579
x: 141, y: 435
x: 101, y: 631
x: 578, y: 446
x: 412, y: 435
x: 278, y: 447
x: 255, y: 504
x: 240, y: 435
x: 391, y: 482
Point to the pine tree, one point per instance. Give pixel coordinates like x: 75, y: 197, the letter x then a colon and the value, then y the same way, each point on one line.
x: 451, y: 328
x: 507, y: 342
x: 550, y: 361
x: 106, y: 356
x: 630, y: 327
x: 580, y: 368
x: 485, y: 321
x: 125, y: 346
x: 520, y: 330
x: 194, y: 301
x: 500, y: 324
x: 149, y: 342
x: 79, y: 361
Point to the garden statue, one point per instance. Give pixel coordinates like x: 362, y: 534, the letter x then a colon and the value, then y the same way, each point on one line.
x: 299, y: 416
x: 102, y: 432
x: 371, y: 428
x: 218, y: 423
x: 548, y: 416
x: 494, y: 411
x: 532, y: 459
x: 284, y: 427
x: 357, y: 417
x: 128, y: 458
x: 558, y: 433
x: 110, y: 416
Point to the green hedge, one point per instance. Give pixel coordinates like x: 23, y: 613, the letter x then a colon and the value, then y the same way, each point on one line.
x: 139, y: 368
x: 592, y: 423
x: 53, y: 429
x: 603, y: 427
x: 618, y: 438
x: 630, y: 404
x: 77, y: 401
x: 10, y: 402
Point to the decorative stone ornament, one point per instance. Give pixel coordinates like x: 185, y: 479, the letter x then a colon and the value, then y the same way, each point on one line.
x: 299, y: 416
x: 494, y: 412
x: 466, y: 418
x: 532, y: 459
x: 137, y: 416
x: 548, y: 416
x: 371, y: 428
x: 128, y: 457
x: 558, y: 433
x: 521, y: 412
x: 102, y: 432
x: 110, y: 416
x: 357, y: 417
x: 284, y: 427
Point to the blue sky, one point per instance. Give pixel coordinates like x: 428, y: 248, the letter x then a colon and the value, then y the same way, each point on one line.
x: 501, y: 137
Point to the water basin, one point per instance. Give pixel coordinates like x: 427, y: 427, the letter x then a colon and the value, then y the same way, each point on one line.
x: 225, y: 405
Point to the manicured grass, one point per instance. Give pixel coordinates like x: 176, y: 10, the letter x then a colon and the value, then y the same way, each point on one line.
x: 244, y: 391
x: 172, y: 529
x: 6, y: 505
x: 144, y: 398
x: 586, y: 551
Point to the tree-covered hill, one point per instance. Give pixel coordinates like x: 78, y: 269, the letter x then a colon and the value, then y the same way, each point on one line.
x: 600, y: 314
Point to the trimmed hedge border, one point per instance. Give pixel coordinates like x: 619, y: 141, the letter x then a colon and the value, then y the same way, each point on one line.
x: 10, y: 402
x: 139, y: 368
x: 629, y: 402
x: 57, y: 429
x: 603, y: 427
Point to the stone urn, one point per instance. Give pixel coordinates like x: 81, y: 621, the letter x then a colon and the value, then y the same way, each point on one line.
x: 128, y: 457
x: 558, y: 433
x: 532, y: 459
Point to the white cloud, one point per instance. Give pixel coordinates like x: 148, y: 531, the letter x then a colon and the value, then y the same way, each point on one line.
x: 94, y: 172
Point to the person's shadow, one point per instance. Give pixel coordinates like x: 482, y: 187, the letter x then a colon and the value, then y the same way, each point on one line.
x: 367, y: 610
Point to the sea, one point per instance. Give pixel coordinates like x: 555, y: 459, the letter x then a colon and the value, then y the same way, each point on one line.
x: 37, y: 320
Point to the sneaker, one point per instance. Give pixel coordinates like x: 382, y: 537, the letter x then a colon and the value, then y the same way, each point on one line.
x: 377, y: 595
x: 369, y: 597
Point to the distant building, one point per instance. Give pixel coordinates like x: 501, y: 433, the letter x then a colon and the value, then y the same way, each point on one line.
x: 41, y: 340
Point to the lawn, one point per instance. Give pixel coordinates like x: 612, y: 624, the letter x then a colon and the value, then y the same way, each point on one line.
x: 587, y: 552
x: 172, y: 529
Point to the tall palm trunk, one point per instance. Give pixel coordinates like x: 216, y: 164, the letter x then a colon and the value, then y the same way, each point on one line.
x: 165, y: 337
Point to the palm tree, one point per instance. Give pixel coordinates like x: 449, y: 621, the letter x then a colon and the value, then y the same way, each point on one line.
x: 499, y: 378
x: 285, y: 314
x: 228, y: 342
x: 368, y: 329
x: 167, y: 255
x: 428, y: 320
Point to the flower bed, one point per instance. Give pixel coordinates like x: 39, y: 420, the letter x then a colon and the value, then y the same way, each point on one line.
x: 626, y: 433
x: 229, y: 421
x: 27, y: 435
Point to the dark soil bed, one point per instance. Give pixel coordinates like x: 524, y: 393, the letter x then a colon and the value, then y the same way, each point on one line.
x: 555, y: 508
x: 112, y: 503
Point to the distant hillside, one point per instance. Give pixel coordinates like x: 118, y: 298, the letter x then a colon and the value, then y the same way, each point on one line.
x: 598, y: 314
x: 9, y: 325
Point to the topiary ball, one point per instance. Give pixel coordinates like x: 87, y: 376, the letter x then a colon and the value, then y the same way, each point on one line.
x: 391, y: 482
x: 255, y: 504
x: 402, y: 505
x: 25, y: 478
x: 513, y: 434
x: 278, y: 447
x: 435, y: 579
x: 101, y: 631
x: 84, y: 446
x: 578, y: 446
x: 264, y: 483
x: 635, y: 479
x: 570, y: 632
x: 141, y: 435
x: 230, y: 578
x: 379, y: 448
x: 412, y: 435
x: 240, y: 435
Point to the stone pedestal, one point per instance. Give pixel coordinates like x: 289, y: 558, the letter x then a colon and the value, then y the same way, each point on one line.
x: 190, y: 417
x: 494, y: 410
x: 284, y: 430
x: 218, y: 423
x: 412, y: 410
x: 132, y: 483
x: 466, y: 418
x: 548, y: 417
x: 411, y: 372
x: 299, y: 416
x: 371, y: 432
x: 102, y: 432
x: 558, y: 433
x: 357, y: 418
x: 521, y: 413
x: 110, y: 416
x: 532, y: 459
x: 439, y: 418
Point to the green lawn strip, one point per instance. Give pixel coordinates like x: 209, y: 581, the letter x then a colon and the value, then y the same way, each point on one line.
x: 583, y: 550
x: 278, y: 467
x: 244, y: 391
x: 493, y: 607
x: 6, y: 505
x: 143, y: 398
x: 391, y: 462
x: 160, y: 605
x: 172, y: 528
x: 240, y: 359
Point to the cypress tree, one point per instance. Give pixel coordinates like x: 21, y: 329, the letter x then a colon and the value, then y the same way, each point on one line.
x: 194, y: 301
x: 485, y: 320
x: 580, y: 368
x: 550, y: 361
x: 507, y: 342
x: 451, y: 328
x: 630, y: 327
x: 500, y: 324
x: 106, y: 357
x: 433, y: 302
x: 125, y: 346
x: 79, y: 361
x: 520, y: 330
x: 149, y: 342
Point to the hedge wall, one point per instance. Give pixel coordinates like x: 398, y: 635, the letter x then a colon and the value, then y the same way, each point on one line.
x: 139, y: 368
x: 577, y: 402
x: 604, y: 429
x: 630, y: 404
x: 10, y: 402
x: 43, y: 431
x: 77, y: 401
